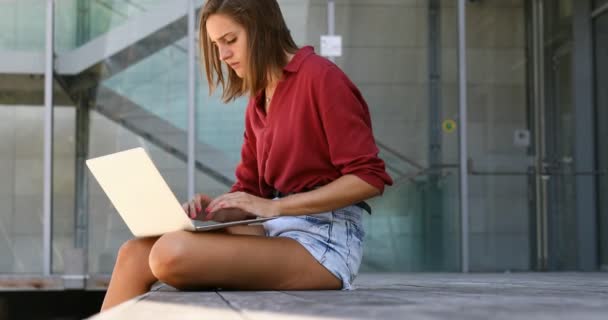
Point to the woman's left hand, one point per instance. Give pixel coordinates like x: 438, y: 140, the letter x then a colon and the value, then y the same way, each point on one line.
x: 260, y: 207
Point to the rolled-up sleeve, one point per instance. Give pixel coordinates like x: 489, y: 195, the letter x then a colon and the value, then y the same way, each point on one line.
x: 347, y: 125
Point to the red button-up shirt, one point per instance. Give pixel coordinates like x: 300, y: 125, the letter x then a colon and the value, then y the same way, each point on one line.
x: 317, y: 129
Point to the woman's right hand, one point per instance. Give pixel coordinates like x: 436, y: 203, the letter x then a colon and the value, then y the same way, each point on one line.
x: 195, y: 208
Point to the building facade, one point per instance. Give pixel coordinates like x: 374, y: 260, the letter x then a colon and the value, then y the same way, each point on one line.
x: 490, y: 116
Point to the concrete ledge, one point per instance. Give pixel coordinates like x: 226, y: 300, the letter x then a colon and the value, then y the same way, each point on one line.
x: 36, y: 282
x: 392, y: 296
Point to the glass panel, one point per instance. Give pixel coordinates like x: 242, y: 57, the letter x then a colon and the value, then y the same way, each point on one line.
x: 220, y: 130
x: 408, y: 233
x: 139, y: 102
x: 22, y: 24
x: 499, y: 136
x: 558, y: 159
x: 64, y: 159
x: 21, y: 154
x: 408, y: 78
x: 601, y: 56
x: 78, y: 22
x: 21, y: 142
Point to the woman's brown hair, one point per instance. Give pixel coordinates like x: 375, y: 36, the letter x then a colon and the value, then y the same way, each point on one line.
x: 268, y: 40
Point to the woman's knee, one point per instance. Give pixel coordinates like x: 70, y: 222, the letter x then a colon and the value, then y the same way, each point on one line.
x: 169, y: 259
x: 134, y: 253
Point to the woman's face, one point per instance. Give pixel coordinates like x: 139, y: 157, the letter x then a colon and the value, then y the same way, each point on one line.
x: 230, y: 39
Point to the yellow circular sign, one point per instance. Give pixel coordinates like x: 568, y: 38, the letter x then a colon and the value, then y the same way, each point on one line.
x: 449, y: 126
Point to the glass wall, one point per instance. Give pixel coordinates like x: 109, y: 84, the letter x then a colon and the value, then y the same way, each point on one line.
x: 402, y: 54
x: 21, y: 141
x: 21, y: 189
x: 78, y: 22
x: 500, y: 150
x: 138, y: 100
x: 64, y: 195
x: 22, y: 25
x: 601, y: 60
x: 559, y: 137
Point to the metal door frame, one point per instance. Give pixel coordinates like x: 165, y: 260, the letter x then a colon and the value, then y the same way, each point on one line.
x: 584, y: 139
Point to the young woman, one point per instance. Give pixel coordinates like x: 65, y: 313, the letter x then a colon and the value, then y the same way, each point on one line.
x: 308, y: 158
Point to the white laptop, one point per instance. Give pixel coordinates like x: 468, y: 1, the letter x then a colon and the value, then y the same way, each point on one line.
x: 142, y: 197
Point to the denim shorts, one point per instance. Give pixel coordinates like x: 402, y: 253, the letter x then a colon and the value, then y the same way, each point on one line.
x: 334, y: 238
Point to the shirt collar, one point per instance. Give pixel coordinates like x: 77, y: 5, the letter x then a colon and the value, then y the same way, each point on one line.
x: 298, y: 58
x: 293, y: 65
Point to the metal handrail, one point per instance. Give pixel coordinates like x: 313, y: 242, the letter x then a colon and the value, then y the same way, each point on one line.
x: 399, y: 155
x: 538, y: 173
x: 599, y: 10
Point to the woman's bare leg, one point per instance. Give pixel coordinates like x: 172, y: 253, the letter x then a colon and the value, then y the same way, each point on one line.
x: 132, y: 275
x: 237, y: 258
x: 188, y: 260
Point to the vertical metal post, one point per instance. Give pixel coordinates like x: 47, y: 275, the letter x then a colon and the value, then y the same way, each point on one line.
x: 83, y: 22
x: 81, y: 207
x: 434, y: 82
x: 191, y: 101
x: 464, y: 173
x: 48, y: 142
x: 331, y: 21
x: 541, y: 240
x: 434, y: 242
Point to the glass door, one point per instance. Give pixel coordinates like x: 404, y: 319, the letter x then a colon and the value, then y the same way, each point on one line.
x: 558, y: 164
x: 601, y: 61
x: 558, y: 149
x: 499, y: 137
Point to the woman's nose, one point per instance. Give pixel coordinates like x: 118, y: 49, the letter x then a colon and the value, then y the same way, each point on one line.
x: 225, y: 53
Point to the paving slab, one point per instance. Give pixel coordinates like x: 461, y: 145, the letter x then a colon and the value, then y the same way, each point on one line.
x: 392, y: 296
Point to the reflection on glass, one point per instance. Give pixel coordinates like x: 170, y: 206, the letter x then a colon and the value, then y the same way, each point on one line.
x: 140, y: 104
x: 78, y: 22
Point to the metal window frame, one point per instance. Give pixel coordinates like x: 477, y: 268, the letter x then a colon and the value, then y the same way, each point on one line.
x: 585, y: 140
x: 191, y: 165
x: 47, y: 220
x: 463, y: 139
